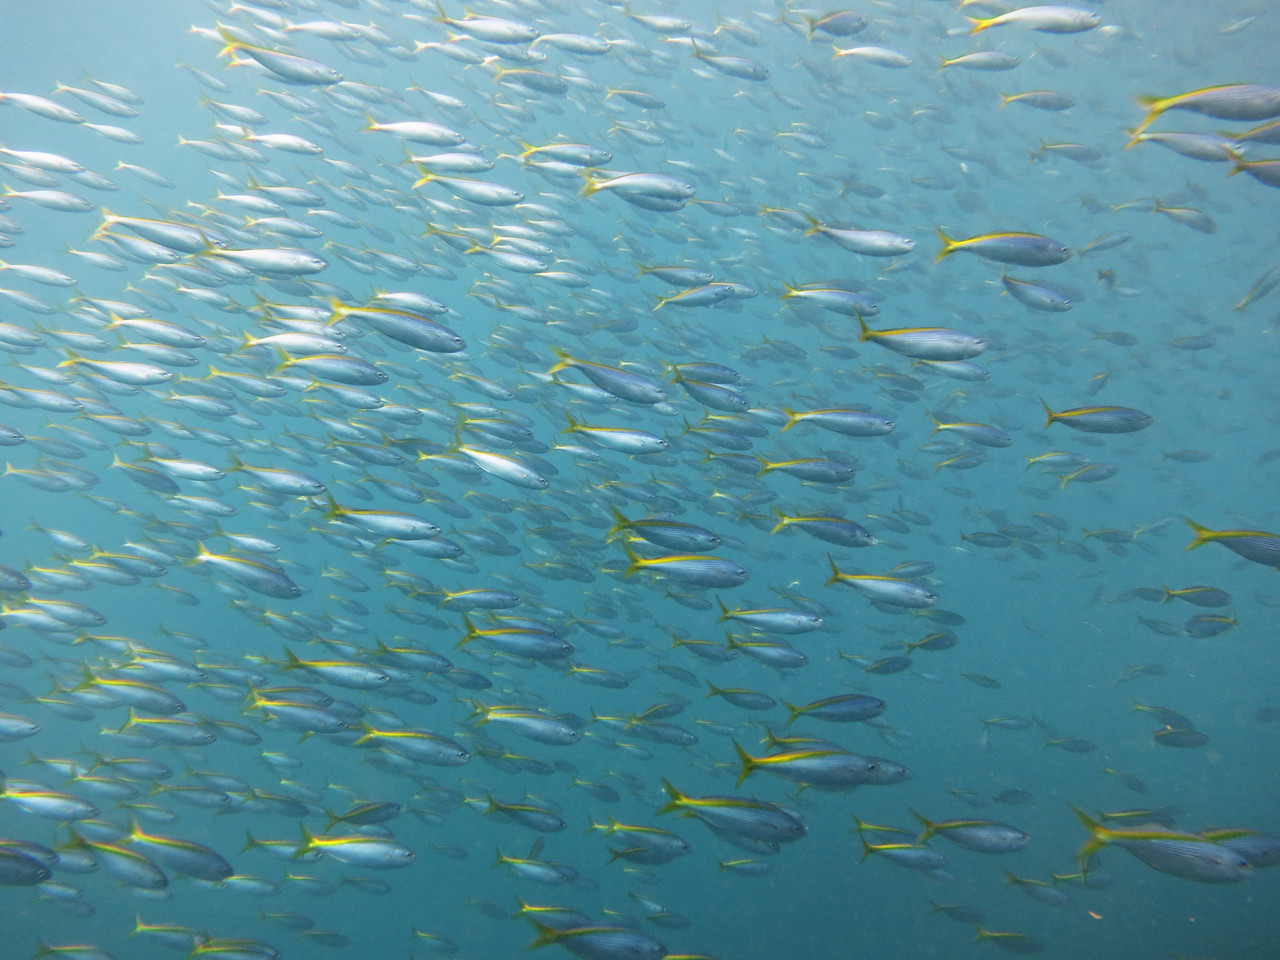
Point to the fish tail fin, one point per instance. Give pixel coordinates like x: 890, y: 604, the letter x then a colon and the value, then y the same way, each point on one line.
x: 949, y: 246
x: 724, y: 611
x: 308, y: 842
x: 866, y: 332
x: 1154, y: 107
x: 815, y: 225
x: 337, y: 310
x: 619, y: 524
x: 783, y: 520
x: 368, y: 735
x: 980, y: 24
x: 636, y: 562
x: 546, y: 935
x: 676, y: 801
x: 472, y: 632
x: 1098, y: 836
x: 563, y: 360
x: 749, y: 763
x: 1203, y: 534
x: 835, y: 572
x: 930, y: 828
x: 792, y: 419
x: 1049, y: 415
x: 793, y: 712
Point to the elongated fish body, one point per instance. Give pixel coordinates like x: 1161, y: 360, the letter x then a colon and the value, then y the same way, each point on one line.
x: 883, y: 589
x: 1099, y: 419
x: 1048, y: 18
x: 697, y: 569
x: 1253, y: 545
x: 746, y: 817
x: 927, y: 343
x: 1019, y: 249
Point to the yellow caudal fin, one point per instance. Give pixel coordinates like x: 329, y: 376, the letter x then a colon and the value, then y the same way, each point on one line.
x: 949, y: 246
x: 1154, y: 107
x: 591, y: 185
x: 980, y: 24
x: 835, y: 571
x: 930, y: 828
x: 564, y: 361
x: 1203, y: 534
x: 677, y: 798
x: 749, y: 763
x: 619, y: 522
x: 1049, y: 416
x: 1097, y: 836
x: 636, y: 561
x: 546, y: 935
x: 783, y: 520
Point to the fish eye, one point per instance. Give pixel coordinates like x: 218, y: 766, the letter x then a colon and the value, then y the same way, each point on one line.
x: 873, y: 766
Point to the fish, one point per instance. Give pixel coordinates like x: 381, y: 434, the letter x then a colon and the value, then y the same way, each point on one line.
x: 1184, y: 855
x: 1099, y: 419
x: 981, y: 836
x: 1239, y: 101
x: 1253, y: 545
x: 1048, y: 18
x: 1019, y: 249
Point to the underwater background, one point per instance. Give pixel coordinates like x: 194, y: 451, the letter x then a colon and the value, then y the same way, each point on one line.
x: 1057, y: 659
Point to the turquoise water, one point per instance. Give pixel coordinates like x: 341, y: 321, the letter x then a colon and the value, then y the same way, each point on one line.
x: 1049, y: 625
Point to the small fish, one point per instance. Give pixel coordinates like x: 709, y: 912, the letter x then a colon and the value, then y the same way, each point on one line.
x: 1184, y: 855
x: 1099, y: 419
x: 1020, y: 249
x: 1253, y: 545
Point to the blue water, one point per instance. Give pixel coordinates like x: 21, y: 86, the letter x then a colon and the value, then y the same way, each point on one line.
x: 1055, y: 630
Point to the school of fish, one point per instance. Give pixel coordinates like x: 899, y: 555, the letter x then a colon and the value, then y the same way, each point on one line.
x: 572, y: 429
